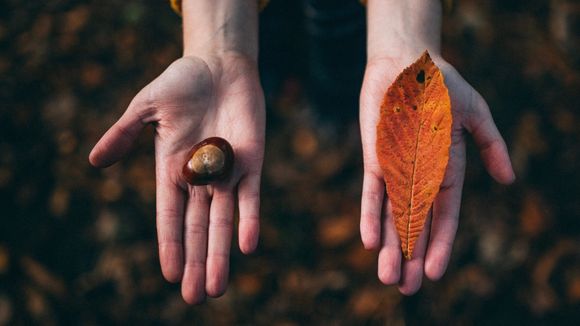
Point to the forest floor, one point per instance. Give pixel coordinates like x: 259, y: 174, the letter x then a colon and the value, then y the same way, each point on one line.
x: 78, y: 245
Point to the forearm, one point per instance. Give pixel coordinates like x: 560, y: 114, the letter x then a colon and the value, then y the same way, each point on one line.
x: 220, y: 26
x: 403, y: 29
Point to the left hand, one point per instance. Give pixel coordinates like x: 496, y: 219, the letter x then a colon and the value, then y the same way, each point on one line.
x: 433, y: 248
x: 195, y: 98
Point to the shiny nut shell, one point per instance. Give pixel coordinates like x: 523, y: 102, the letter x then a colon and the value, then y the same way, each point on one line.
x: 208, y: 161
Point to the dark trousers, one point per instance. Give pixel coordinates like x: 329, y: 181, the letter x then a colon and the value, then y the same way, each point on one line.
x: 322, y: 42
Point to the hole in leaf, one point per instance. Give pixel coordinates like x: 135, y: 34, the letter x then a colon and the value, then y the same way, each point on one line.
x: 421, y: 76
x: 397, y: 109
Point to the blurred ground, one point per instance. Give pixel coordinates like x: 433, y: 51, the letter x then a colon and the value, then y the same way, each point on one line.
x: 77, y: 245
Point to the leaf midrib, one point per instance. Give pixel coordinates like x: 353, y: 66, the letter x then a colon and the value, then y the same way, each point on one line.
x: 412, y: 195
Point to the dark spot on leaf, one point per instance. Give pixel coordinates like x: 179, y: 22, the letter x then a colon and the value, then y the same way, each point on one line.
x: 421, y: 76
x: 414, y: 108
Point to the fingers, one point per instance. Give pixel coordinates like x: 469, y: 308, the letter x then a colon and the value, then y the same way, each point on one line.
x: 219, y: 241
x: 170, y: 207
x: 389, y: 265
x: 195, y: 233
x: 412, y: 271
x: 118, y: 139
x: 446, y: 215
x: 214, y: 248
x: 249, y: 206
x: 373, y: 196
x: 492, y: 147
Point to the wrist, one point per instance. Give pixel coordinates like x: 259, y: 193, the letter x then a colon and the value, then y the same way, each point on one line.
x: 402, y: 30
x: 217, y: 28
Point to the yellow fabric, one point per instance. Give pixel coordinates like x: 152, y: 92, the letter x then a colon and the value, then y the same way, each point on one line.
x: 176, y: 5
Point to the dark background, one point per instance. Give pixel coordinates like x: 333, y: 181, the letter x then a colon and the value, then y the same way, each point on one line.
x: 77, y: 244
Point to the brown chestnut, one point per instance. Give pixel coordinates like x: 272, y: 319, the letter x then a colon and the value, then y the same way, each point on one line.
x: 209, y: 160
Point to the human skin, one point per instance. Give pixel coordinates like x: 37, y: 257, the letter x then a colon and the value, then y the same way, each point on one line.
x: 213, y: 90
x: 398, y: 33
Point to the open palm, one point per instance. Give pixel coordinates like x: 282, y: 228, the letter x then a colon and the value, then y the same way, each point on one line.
x: 194, y: 99
x: 433, y: 249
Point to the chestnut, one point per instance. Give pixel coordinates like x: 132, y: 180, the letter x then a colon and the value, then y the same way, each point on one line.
x: 210, y: 160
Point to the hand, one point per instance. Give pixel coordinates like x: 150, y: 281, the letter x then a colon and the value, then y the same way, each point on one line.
x: 193, y: 99
x: 433, y: 248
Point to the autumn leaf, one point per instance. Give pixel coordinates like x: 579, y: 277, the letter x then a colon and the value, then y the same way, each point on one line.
x: 413, y: 139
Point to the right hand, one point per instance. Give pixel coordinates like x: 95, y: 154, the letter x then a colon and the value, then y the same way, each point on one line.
x: 433, y: 248
x: 197, y: 98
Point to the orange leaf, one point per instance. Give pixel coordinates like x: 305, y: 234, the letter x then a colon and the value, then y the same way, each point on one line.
x: 413, y: 139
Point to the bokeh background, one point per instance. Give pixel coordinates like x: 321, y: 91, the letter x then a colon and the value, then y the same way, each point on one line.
x: 78, y: 246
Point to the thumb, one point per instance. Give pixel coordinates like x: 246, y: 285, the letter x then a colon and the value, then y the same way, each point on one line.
x: 119, y: 139
x: 492, y: 147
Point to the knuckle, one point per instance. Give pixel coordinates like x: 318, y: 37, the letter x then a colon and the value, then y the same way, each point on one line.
x: 444, y: 245
x: 195, y: 230
x: 222, y: 222
x: 168, y: 213
x: 373, y: 195
x: 250, y: 196
x: 249, y: 218
x: 169, y: 242
x: 195, y: 264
